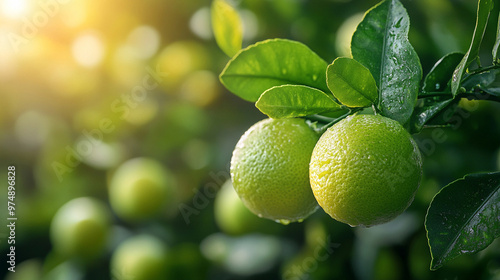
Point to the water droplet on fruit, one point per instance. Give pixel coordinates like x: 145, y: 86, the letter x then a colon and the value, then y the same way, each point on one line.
x: 283, y: 221
x: 315, y: 77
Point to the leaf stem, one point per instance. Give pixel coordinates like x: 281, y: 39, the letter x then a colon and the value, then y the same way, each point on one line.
x: 435, y: 125
x: 479, y: 71
x: 433, y: 94
x: 322, y: 129
x: 483, y: 69
x: 480, y: 94
x: 319, y: 118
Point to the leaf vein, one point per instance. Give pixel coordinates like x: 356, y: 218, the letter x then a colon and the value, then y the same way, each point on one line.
x: 354, y: 87
x: 479, y: 209
x: 286, y: 81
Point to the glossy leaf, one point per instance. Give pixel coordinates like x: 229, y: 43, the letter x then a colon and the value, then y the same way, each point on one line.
x: 495, y: 52
x: 290, y: 101
x: 487, y: 81
x: 483, y: 13
x: 380, y: 43
x: 351, y: 83
x: 441, y: 73
x: 273, y: 63
x: 227, y: 27
x: 422, y: 115
x: 463, y: 218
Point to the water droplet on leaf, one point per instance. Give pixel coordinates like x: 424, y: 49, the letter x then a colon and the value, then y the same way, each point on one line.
x: 398, y: 23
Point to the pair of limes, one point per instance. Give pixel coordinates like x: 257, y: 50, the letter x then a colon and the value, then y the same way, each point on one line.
x: 364, y: 170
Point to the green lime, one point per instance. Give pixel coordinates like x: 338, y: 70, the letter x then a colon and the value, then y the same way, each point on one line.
x: 80, y: 228
x: 141, y: 188
x: 142, y: 257
x: 365, y: 170
x: 270, y: 169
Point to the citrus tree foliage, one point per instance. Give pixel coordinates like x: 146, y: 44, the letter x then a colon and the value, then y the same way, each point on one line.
x: 287, y: 79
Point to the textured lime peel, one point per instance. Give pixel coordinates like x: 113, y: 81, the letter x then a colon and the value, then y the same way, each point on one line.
x: 270, y: 169
x: 365, y: 170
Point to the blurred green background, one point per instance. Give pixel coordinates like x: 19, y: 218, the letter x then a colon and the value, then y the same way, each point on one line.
x: 86, y: 86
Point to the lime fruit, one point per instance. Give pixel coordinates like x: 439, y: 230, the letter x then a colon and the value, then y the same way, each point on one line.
x: 232, y: 216
x: 141, y: 189
x: 344, y: 35
x: 365, y: 170
x: 80, y: 228
x: 270, y: 169
x: 142, y: 257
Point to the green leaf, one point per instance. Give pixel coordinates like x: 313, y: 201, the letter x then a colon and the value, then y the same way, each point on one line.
x: 441, y: 73
x: 381, y: 44
x: 351, y: 83
x: 463, y: 218
x: 495, y: 53
x: 227, y: 27
x: 290, y: 101
x: 488, y: 81
x: 422, y: 115
x: 273, y: 63
x: 483, y: 12
x: 483, y: 80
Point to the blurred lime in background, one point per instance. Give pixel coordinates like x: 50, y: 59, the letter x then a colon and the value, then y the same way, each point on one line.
x: 141, y: 188
x: 234, y: 218
x: 81, y: 228
x: 140, y: 257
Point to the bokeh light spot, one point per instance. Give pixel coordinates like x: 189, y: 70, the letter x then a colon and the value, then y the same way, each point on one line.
x: 103, y: 155
x: 88, y: 49
x: 14, y: 8
x: 200, y: 23
x: 145, y: 111
x: 200, y: 88
x: 344, y: 34
x: 145, y: 41
x: 250, y: 25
